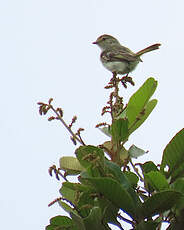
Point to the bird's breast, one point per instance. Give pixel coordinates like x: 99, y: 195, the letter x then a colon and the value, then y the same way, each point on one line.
x: 115, y: 66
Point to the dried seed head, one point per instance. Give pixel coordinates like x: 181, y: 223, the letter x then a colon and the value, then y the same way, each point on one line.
x: 51, y: 118
x: 50, y: 101
x: 60, y: 111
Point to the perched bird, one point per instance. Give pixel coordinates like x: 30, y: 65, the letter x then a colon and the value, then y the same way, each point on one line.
x: 117, y: 58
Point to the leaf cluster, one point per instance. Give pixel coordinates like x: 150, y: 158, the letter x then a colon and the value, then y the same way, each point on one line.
x: 111, y: 189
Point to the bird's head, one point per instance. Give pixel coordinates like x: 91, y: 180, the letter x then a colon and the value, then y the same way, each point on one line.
x: 106, y: 41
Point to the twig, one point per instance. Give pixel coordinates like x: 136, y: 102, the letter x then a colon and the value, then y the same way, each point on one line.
x: 57, y: 172
x: 66, y: 126
x: 136, y: 170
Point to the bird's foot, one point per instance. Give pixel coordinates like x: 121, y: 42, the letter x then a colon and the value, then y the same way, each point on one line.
x: 115, y: 81
x: 124, y: 80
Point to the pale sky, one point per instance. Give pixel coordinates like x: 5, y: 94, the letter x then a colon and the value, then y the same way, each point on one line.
x: 46, y: 51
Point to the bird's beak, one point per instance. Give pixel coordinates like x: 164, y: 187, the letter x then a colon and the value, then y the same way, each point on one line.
x: 94, y: 42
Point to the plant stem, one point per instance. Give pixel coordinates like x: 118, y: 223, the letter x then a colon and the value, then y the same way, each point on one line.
x: 66, y: 126
x: 136, y: 171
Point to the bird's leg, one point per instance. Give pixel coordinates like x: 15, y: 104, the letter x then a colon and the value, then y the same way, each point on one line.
x: 113, y: 79
x: 114, y: 74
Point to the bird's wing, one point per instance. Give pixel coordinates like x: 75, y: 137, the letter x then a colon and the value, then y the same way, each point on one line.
x: 119, y: 55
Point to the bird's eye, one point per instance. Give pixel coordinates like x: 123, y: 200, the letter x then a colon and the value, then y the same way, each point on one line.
x: 103, y: 39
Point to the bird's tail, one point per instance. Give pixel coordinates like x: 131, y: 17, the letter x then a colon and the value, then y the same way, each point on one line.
x: 148, y: 49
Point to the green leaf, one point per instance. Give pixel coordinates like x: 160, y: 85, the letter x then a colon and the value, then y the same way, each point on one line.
x: 148, y: 167
x: 65, y: 206
x: 119, y: 130
x: 145, y: 225
x: 136, y: 152
x: 50, y: 227
x: 78, y: 194
x: 115, y: 170
x: 109, y: 210
x: 147, y: 110
x: 139, y: 99
x: 121, y: 177
x: 106, y: 131
x: 68, y: 192
x: 177, y: 224
x: 173, y: 156
x: 88, y: 155
x: 78, y: 221
x: 94, y: 220
x: 114, y: 192
x: 60, y: 223
x: 159, y: 202
x: 178, y: 185
x: 132, y: 178
x: 123, y: 154
x: 157, y: 180
x: 71, y: 165
x: 76, y: 186
x: 85, y: 203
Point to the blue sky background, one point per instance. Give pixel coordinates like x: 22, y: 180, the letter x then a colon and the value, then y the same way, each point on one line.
x: 46, y: 51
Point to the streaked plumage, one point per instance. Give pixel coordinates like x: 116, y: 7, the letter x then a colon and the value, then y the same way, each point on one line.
x: 117, y: 58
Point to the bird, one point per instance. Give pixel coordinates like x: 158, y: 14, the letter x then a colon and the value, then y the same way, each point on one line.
x: 117, y: 58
